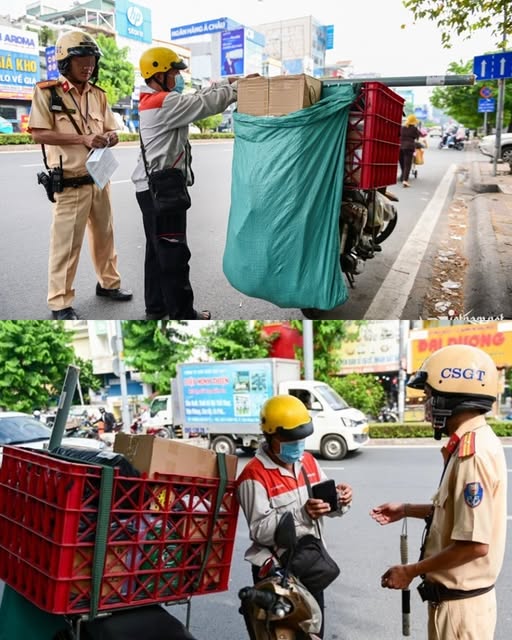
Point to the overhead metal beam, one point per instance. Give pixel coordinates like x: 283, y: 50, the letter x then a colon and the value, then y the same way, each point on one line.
x: 410, y: 81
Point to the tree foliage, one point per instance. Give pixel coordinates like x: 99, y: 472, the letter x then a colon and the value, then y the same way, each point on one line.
x: 234, y: 340
x: 362, y: 391
x: 327, y: 338
x: 209, y: 124
x: 463, y: 17
x: 461, y: 103
x: 155, y: 347
x: 34, y: 356
x: 116, y: 75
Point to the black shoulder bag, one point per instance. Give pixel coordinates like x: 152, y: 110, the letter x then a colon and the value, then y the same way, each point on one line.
x: 168, y: 187
x: 311, y: 563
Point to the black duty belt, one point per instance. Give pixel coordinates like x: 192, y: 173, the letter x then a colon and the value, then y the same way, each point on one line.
x: 77, y: 182
x: 436, y: 592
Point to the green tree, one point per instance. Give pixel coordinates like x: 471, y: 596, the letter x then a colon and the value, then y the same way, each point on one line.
x: 34, y: 356
x: 210, y: 123
x: 327, y: 338
x: 461, y: 103
x: 464, y: 17
x: 116, y: 76
x: 362, y: 391
x: 88, y: 381
x: 235, y: 339
x: 155, y: 347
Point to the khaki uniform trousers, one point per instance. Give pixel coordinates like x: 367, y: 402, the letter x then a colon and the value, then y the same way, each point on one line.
x: 468, y: 619
x: 74, y: 210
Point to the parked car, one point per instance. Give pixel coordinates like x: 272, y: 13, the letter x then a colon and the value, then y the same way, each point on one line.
x: 488, y: 143
x: 25, y: 431
x: 6, y: 126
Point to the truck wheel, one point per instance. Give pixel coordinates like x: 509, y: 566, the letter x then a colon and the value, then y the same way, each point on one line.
x: 223, y: 444
x: 163, y: 433
x: 333, y: 448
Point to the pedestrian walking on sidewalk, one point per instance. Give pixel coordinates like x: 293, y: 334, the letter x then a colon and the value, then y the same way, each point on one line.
x: 466, y: 523
x: 69, y: 117
x: 409, y: 134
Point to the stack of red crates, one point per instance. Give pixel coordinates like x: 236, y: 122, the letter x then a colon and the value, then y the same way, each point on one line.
x: 373, y: 137
x: 157, y: 536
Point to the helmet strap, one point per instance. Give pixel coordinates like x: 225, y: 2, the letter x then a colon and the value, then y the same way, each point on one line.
x: 163, y: 84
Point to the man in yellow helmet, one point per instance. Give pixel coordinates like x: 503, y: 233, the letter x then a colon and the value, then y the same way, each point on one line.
x: 273, y: 482
x: 464, y: 541
x: 165, y: 114
x: 69, y: 117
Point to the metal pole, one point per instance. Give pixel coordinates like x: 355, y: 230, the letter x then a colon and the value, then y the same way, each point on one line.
x: 307, y: 339
x: 402, y: 371
x: 411, y: 81
x: 65, y: 400
x: 125, y: 412
x: 501, y: 102
x: 485, y: 123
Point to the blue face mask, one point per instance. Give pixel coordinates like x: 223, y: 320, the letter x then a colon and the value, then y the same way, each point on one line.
x: 179, y: 84
x: 291, y: 452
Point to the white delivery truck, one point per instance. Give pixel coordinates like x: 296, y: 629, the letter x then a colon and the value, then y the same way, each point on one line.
x: 221, y: 401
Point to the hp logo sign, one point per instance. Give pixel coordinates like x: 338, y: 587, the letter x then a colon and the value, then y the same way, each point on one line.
x: 135, y: 17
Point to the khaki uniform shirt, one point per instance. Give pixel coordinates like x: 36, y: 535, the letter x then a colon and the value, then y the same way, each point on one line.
x: 92, y: 115
x: 471, y: 505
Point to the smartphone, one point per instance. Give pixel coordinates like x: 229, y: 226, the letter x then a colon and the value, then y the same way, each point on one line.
x: 326, y: 491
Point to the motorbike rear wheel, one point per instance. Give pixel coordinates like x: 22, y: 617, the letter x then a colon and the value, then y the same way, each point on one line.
x: 387, y: 231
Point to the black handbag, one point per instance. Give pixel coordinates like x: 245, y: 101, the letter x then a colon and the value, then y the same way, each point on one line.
x: 311, y: 562
x: 168, y: 187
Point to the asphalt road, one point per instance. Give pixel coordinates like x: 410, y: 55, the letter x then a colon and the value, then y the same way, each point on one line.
x: 357, y: 607
x: 25, y: 215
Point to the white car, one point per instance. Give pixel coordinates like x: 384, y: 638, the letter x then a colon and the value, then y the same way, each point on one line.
x: 488, y: 143
x: 23, y: 430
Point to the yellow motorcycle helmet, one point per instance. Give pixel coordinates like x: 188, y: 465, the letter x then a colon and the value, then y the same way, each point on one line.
x: 460, y: 378
x: 286, y: 416
x: 76, y: 43
x: 159, y: 59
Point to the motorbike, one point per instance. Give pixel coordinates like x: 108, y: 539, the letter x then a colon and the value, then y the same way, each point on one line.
x: 451, y: 142
x: 387, y: 415
x: 160, y: 431
x: 279, y: 607
x: 367, y: 218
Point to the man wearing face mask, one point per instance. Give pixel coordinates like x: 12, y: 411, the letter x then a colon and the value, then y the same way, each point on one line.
x: 272, y: 482
x: 165, y: 115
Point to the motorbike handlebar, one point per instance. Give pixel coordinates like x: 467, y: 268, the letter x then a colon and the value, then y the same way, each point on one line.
x: 266, y: 600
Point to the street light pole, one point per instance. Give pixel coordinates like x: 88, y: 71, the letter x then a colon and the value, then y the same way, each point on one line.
x: 501, y: 101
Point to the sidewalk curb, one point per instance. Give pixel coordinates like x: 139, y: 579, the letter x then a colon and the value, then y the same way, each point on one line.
x: 486, y: 293
x: 476, y: 182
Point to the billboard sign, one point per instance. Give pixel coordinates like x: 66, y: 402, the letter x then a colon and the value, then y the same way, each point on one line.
x: 52, y: 70
x: 220, y: 393
x: 329, y: 36
x: 19, y: 63
x: 232, y: 53
x: 376, y: 349
x: 495, y: 338
x: 203, y: 28
x: 133, y: 21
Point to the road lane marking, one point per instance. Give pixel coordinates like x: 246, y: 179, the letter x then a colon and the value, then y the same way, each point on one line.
x: 395, y: 291
x: 333, y: 468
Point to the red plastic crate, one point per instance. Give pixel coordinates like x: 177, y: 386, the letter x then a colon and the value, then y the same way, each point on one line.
x: 373, y: 137
x: 157, y: 535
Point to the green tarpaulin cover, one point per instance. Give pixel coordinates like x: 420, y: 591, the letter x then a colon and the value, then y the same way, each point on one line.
x: 282, y: 240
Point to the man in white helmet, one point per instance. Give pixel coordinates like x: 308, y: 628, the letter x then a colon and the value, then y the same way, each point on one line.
x: 69, y: 117
x: 466, y: 523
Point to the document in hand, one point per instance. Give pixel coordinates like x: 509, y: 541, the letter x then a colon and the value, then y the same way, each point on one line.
x: 101, y: 164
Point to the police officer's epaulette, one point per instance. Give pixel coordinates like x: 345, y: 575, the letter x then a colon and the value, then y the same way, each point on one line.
x: 48, y: 84
x: 467, y: 445
x: 99, y: 88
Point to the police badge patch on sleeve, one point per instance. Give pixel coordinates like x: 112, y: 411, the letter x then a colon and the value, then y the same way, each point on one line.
x: 473, y: 494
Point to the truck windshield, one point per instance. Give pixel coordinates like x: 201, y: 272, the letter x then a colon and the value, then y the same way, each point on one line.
x: 330, y: 397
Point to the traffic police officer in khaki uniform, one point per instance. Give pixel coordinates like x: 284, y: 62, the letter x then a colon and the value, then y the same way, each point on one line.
x: 465, y: 533
x: 69, y: 117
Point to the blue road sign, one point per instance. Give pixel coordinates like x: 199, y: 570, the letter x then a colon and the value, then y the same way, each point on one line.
x: 493, y: 66
x: 486, y: 92
x: 486, y: 105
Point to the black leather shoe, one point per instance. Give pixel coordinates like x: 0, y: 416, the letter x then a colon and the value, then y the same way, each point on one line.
x: 114, y: 294
x: 65, y: 314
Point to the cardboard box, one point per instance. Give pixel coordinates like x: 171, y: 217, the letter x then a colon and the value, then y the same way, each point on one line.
x: 277, y: 96
x: 156, y: 455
